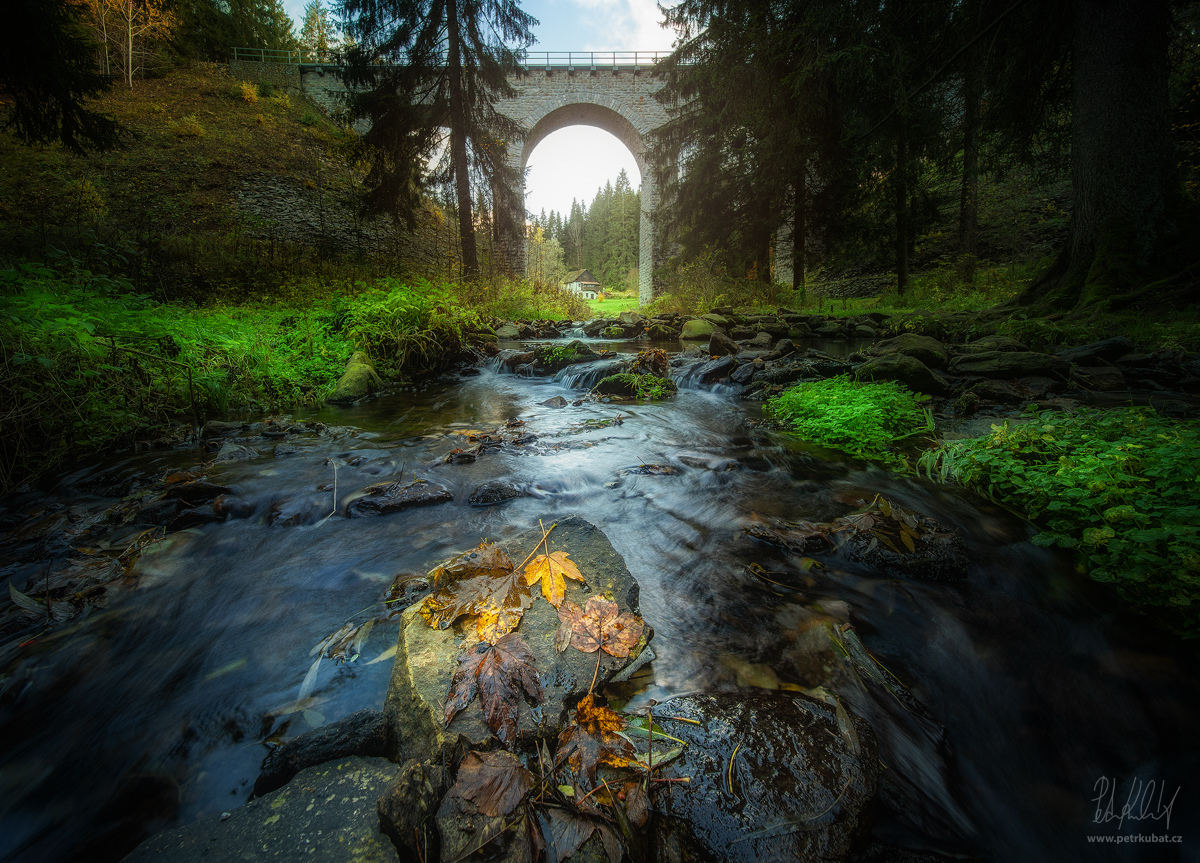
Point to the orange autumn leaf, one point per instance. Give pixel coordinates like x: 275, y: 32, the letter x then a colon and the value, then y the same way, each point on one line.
x: 552, y: 570
x: 481, y: 582
x: 596, y: 626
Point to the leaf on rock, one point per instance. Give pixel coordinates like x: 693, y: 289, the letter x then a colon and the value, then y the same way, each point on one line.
x: 598, y: 626
x: 552, y: 570
x: 482, y: 582
x: 495, y: 782
x: 594, y: 739
x: 500, y: 673
x: 569, y: 830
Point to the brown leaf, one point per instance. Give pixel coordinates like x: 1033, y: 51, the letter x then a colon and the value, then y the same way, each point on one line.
x: 592, y: 739
x: 637, y: 805
x: 598, y: 626
x: 550, y: 570
x: 495, y: 782
x: 569, y: 830
x: 500, y: 673
x: 483, y: 582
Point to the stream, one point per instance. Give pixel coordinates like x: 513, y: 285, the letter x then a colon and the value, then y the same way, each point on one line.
x: 1034, y: 692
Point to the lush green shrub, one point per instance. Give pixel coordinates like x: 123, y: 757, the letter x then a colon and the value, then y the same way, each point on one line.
x: 863, y: 419
x: 1120, y: 488
x: 631, y: 385
x: 420, y: 326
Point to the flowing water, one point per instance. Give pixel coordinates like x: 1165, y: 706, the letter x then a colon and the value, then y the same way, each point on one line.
x: 1033, y: 689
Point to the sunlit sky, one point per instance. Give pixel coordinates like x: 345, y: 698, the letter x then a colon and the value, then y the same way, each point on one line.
x: 576, y: 161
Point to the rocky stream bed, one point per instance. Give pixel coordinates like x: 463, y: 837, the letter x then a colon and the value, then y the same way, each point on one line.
x: 316, y: 637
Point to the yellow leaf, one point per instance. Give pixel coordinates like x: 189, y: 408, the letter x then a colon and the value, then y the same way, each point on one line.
x: 908, y: 540
x: 495, y: 622
x: 550, y: 570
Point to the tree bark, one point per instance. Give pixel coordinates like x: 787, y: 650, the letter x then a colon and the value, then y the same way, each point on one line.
x: 968, y: 205
x: 800, y: 225
x: 458, y: 145
x: 901, y: 190
x: 1121, y: 163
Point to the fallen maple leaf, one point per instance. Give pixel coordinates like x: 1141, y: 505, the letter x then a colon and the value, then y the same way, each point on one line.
x: 593, y: 739
x: 597, y: 626
x: 568, y: 831
x: 495, y: 782
x: 500, y: 672
x: 483, y: 582
x: 550, y: 569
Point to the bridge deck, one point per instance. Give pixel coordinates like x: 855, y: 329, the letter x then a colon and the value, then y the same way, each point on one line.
x: 554, y: 61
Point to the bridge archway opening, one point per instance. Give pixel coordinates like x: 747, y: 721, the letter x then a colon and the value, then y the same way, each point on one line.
x: 574, y: 163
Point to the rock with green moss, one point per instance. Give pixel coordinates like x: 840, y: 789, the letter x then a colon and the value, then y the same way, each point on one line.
x: 697, y: 329
x: 325, y: 814
x: 928, y: 350
x: 1009, y: 364
x: 635, y: 386
x: 358, y: 381
x: 904, y: 369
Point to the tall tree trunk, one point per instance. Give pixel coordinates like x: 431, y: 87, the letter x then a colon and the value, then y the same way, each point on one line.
x: 1120, y: 137
x: 901, y: 190
x: 968, y: 205
x: 458, y: 145
x: 763, y: 257
x: 800, y: 224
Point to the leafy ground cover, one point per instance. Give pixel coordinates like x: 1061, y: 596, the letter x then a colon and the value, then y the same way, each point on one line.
x: 1120, y: 488
x: 862, y: 419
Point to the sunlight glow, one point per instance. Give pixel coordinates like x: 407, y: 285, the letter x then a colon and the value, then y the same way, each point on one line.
x: 575, y: 162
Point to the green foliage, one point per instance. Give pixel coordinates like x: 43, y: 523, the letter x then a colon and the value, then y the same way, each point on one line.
x: 862, y: 419
x: 632, y: 385
x: 419, y: 326
x: 702, y: 284
x: 1120, y: 488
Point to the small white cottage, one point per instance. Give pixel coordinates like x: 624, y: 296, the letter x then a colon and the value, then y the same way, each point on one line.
x: 583, y: 283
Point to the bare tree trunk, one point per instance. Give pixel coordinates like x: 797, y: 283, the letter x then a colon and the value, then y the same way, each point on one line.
x: 968, y: 205
x: 458, y: 145
x: 901, y: 190
x: 800, y: 226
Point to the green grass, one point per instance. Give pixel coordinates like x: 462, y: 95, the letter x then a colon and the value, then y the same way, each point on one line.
x: 1119, y: 488
x: 862, y: 419
x: 610, y: 308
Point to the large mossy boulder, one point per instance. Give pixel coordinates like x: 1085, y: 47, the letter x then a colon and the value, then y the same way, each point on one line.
x: 929, y: 351
x: 426, y: 658
x: 1009, y: 364
x: 904, y: 369
x: 697, y: 329
x: 358, y: 381
x: 994, y: 343
x: 772, y: 775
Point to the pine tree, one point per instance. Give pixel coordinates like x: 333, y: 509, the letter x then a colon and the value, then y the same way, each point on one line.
x: 316, y: 35
x: 451, y: 62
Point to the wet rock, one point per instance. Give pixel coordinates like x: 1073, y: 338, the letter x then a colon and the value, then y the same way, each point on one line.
x: 775, y: 329
x: 993, y: 343
x: 697, y: 329
x: 720, y: 345
x: 715, y: 370
x: 1099, y: 378
x: 461, y: 456
x: 763, y: 339
x: 232, y: 506
x: 631, y: 318
x: 357, y: 381
x: 282, y: 450
x: 219, y: 428
x: 717, y: 320
x: 362, y: 733
x: 1040, y: 387
x: 235, y: 452
x: 327, y: 815
x: 158, y: 512
x: 802, y: 782
x: 782, y: 348
x: 556, y: 402
x: 407, y: 807
x: 496, y: 491
x: 508, y: 331
x: 904, y: 369
x: 786, y: 374
x: 426, y: 658
x: 743, y: 373
x: 195, y: 493
x: 1090, y: 355
x: 1004, y: 392
x: 930, y: 352
x: 662, y: 332
x: 194, y: 518
x: 829, y: 330
x: 1008, y: 364
x: 740, y: 333
x: 862, y: 331
x: 393, y: 497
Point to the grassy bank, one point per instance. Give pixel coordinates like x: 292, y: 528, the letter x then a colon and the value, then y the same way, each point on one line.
x: 87, y: 362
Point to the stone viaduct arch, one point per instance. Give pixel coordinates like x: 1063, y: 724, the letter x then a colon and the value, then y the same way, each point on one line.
x: 618, y: 99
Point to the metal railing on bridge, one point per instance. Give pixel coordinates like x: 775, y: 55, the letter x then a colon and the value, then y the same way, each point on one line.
x: 528, y: 60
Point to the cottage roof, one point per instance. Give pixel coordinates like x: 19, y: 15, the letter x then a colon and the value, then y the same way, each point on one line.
x: 583, y: 277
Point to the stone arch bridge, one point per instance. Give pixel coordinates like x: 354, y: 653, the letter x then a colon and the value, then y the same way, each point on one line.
x: 613, y: 91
